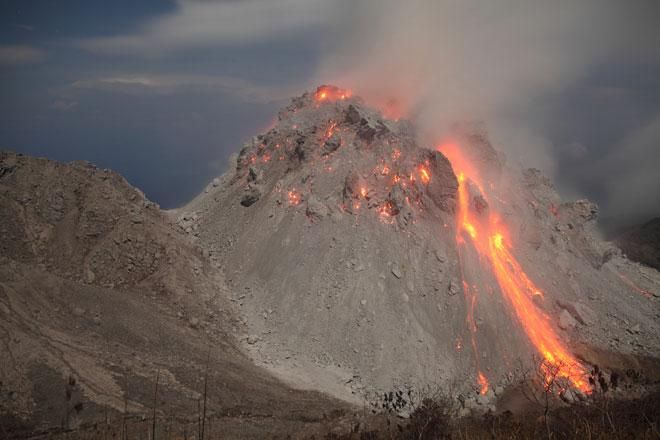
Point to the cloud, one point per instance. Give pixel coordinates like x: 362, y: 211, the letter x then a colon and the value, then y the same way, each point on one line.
x: 63, y: 105
x: 244, y: 90
x: 13, y: 55
x: 198, y: 23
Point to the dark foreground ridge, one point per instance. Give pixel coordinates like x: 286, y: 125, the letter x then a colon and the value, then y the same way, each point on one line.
x: 102, y: 301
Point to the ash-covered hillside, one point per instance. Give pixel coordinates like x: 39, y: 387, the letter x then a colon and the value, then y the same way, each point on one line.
x: 100, y: 297
x: 343, y: 244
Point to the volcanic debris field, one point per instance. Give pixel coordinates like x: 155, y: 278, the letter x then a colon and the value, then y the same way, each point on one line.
x: 339, y: 255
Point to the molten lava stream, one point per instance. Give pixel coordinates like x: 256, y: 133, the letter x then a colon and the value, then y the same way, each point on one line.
x: 634, y: 286
x: 487, y: 235
x: 469, y: 292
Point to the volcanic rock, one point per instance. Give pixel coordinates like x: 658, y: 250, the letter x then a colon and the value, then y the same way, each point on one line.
x: 582, y: 313
x: 442, y: 185
x: 315, y: 208
x: 250, y: 197
x: 566, y: 320
x: 332, y: 143
x: 255, y: 175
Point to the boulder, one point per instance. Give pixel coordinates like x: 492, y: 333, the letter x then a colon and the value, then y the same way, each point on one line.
x: 352, y: 115
x: 453, y: 288
x: 255, y: 175
x: 582, y: 313
x: 250, y: 197
x: 442, y: 187
x: 332, y: 144
x: 566, y: 321
x: 352, y: 186
x: 316, y: 209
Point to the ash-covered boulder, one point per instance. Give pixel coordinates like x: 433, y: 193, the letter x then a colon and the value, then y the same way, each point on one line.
x: 353, y: 115
x: 316, y: 209
x: 255, y: 175
x: 332, y: 144
x: 581, y: 312
x: 250, y: 196
x: 354, y: 187
x: 441, y: 183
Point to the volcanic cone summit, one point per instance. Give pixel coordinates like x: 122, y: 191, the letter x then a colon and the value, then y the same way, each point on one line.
x: 363, y: 261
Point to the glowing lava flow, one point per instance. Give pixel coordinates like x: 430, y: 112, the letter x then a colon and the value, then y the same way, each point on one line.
x: 469, y: 292
x: 488, y: 236
x: 634, y: 286
x: 331, y: 94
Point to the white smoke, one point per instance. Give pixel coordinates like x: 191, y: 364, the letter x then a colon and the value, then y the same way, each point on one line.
x: 446, y: 60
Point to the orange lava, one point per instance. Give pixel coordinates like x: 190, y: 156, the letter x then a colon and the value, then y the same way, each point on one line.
x: 331, y: 93
x: 330, y: 130
x: 488, y: 236
x: 483, y: 383
x: 294, y: 197
x: 634, y: 286
x: 426, y: 176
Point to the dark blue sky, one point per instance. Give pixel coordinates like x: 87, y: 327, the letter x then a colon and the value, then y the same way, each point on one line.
x: 168, y: 140
x: 164, y: 91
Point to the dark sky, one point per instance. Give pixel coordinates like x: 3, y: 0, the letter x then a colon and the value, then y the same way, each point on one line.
x: 164, y: 91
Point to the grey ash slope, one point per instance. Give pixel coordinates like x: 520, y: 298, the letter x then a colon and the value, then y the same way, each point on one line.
x: 98, y: 286
x: 349, y: 279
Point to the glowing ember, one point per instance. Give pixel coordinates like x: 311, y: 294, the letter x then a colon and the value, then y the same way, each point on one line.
x: 554, y: 210
x: 363, y: 192
x: 331, y: 93
x: 330, y: 130
x: 426, y: 177
x: 294, y: 197
x: 488, y: 237
x: 483, y: 383
x: 386, y: 212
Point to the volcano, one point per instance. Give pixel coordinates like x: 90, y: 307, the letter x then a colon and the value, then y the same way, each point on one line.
x: 364, y: 261
x: 339, y: 255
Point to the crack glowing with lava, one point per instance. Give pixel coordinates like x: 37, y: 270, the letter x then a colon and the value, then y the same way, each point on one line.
x: 469, y: 292
x: 488, y: 236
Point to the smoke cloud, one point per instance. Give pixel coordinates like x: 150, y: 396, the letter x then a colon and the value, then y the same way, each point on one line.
x: 439, y: 61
